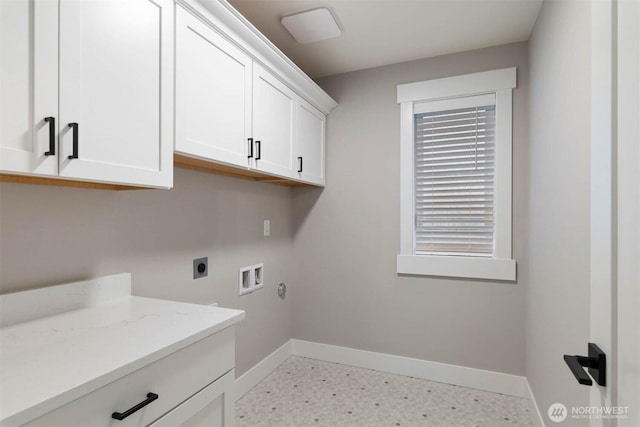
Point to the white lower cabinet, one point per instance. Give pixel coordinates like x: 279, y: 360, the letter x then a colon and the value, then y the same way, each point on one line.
x: 193, y: 387
x: 212, y: 406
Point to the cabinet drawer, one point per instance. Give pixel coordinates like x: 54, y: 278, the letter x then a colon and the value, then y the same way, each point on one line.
x: 173, y: 378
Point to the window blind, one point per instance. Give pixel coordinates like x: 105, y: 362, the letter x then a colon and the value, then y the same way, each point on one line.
x: 454, y: 180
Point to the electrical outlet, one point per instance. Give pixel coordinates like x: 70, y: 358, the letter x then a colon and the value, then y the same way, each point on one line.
x: 200, y: 268
x: 267, y: 227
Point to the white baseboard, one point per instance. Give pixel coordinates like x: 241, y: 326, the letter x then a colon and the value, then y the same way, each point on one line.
x: 253, y: 376
x: 496, y: 382
x: 534, y: 411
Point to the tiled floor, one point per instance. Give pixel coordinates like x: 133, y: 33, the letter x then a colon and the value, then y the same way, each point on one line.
x: 307, y: 392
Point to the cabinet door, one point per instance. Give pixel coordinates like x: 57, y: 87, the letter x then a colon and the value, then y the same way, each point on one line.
x: 28, y: 85
x: 213, y: 94
x: 273, y: 118
x: 310, y: 137
x: 213, y: 406
x: 116, y: 74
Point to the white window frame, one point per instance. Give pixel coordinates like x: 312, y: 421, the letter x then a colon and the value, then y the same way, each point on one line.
x: 500, y: 266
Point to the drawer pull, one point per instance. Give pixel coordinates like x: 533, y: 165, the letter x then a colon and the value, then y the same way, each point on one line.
x: 121, y: 416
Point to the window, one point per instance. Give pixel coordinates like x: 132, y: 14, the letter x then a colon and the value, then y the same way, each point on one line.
x: 453, y: 177
x: 456, y: 176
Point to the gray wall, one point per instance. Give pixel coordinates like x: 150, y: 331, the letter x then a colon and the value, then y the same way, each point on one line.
x: 335, y: 248
x: 346, y: 237
x: 557, y: 299
x: 51, y: 235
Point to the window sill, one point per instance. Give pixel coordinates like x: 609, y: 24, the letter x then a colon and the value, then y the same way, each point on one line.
x: 472, y: 268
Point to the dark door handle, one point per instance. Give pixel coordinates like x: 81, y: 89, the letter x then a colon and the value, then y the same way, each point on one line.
x: 250, y: 140
x: 259, y: 149
x: 300, y: 160
x: 575, y: 363
x: 596, y: 363
x: 74, y: 128
x: 52, y: 136
x: 122, y: 415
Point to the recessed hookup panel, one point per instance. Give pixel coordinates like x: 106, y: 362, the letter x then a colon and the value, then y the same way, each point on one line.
x: 245, y: 280
x: 258, y: 276
x: 250, y: 278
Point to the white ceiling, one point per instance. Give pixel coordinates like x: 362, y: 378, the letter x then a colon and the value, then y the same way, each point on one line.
x: 384, y: 32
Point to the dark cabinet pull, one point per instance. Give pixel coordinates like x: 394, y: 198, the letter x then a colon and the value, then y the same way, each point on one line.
x: 122, y: 415
x: 52, y: 136
x: 300, y: 160
x: 259, y: 149
x: 250, y: 140
x: 74, y: 127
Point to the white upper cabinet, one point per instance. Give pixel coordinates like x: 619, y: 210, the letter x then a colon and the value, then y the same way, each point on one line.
x: 87, y: 94
x: 213, y: 94
x: 273, y: 124
x: 109, y: 64
x: 309, y: 147
x: 28, y: 87
x: 116, y: 83
x: 235, y: 108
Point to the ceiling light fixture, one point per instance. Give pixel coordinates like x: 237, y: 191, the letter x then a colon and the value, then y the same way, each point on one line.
x: 312, y: 26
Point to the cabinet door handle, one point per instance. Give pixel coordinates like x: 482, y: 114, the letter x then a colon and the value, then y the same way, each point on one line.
x: 259, y: 149
x: 74, y: 128
x: 122, y: 415
x: 300, y: 160
x: 52, y: 136
x: 250, y: 140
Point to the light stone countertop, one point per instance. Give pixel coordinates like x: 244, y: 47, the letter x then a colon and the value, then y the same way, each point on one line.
x: 49, y: 361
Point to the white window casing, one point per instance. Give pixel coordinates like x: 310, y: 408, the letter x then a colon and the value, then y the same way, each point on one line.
x: 484, y: 261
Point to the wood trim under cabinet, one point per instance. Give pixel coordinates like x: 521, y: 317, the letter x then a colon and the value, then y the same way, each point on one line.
x: 179, y: 161
x: 38, y: 180
x: 209, y: 167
